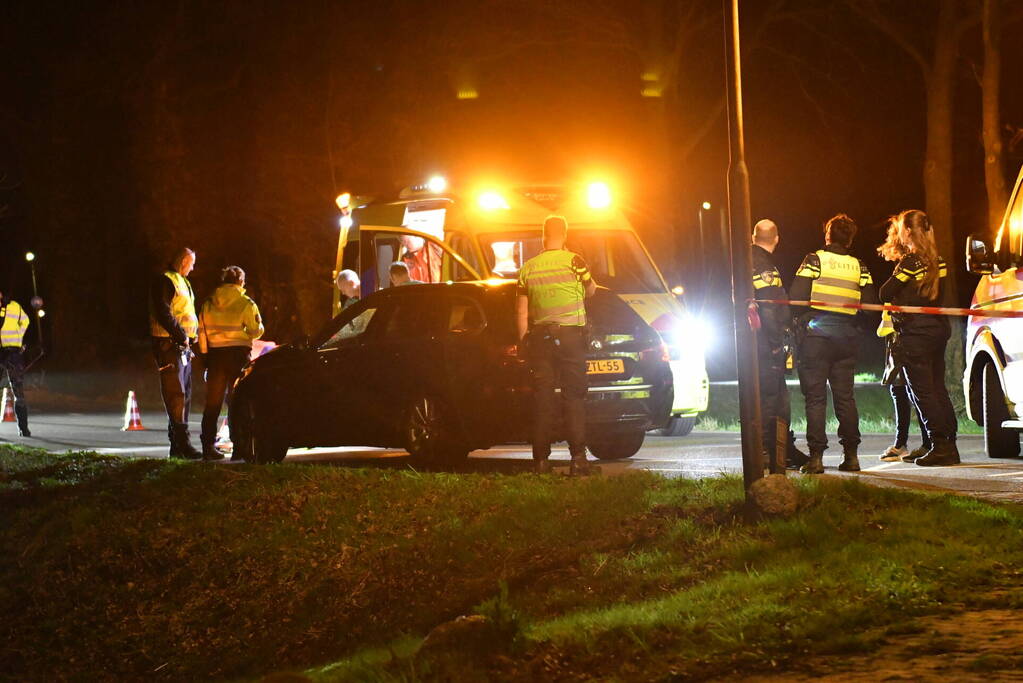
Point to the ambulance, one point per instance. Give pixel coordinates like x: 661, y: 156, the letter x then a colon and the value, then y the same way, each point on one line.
x: 993, y: 380
x: 487, y: 231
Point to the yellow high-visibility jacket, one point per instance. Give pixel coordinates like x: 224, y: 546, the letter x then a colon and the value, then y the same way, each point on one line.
x: 15, y: 324
x: 229, y: 318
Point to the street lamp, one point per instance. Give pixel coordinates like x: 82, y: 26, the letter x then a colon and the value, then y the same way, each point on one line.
x: 37, y: 301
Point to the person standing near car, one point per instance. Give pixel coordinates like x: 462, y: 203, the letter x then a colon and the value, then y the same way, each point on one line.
x: 13, y: 323
x: 772, y: 345
x: 228, y: 324
x: 918, y: 280
x: 173, y: 327
x: 829, y: 340
x: 551, y: 321
x: 902, y: 401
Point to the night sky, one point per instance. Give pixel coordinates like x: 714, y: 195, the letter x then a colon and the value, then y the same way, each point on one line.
x: 128, y: 129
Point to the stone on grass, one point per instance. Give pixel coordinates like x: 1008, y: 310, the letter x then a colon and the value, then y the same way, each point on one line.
x: 774, y: 495
x: 472, y: 631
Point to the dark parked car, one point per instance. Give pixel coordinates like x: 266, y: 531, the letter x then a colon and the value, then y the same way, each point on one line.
x: 433, y: 369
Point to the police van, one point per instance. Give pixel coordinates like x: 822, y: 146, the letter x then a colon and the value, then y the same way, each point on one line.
x: 993, y: 381
x: 488, y: 231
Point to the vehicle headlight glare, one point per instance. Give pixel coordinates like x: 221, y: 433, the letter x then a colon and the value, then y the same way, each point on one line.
x: 598, y: 195
x: 490, y: 200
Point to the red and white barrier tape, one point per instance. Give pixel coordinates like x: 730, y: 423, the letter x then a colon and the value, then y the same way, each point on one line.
x: 926, y: 310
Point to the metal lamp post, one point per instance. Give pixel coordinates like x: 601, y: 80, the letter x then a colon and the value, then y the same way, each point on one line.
x: 740, y: 220
x: 37, y: 301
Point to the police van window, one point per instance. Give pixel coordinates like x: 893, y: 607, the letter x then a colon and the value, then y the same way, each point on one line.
x: 461, y: 245
x: 423, y: 258
x: 465, y: 317
x: 351, y: 329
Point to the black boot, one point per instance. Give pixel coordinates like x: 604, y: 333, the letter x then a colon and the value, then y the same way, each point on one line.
x: 815, y: 465
x: 181, y: 444
x: 943, y: 452
x: 850, y: 462
x: 209, y: 451
x: 21, y: 411
x: 580, y: 468
x: 795, y: 458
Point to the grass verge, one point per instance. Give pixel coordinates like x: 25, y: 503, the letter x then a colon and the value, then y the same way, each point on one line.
x: 188, y: 571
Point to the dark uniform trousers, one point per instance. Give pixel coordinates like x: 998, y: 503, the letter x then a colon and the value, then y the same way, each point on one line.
x: 175, y: 366
x: 557, y: 357
x: 223, y: 365
x: 774, y: 397
x: 923, y: 363
x: 830, y: 361
x: 12, y: 361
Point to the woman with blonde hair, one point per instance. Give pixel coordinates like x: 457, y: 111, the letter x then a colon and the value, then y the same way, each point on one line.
x: 893, y: 250
x: 918, y: 280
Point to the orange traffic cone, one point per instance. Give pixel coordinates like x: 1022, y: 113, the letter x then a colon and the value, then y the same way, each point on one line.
x: 132, y: 419
x: 8, y: 400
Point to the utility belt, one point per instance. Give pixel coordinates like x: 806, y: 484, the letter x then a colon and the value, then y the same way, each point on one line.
x: 548, y: 334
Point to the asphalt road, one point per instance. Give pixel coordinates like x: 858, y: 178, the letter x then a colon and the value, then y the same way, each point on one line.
x: 701, y: 454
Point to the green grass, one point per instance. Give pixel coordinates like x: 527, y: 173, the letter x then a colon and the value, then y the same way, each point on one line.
x: 873, y: 402
x: 196, y: 572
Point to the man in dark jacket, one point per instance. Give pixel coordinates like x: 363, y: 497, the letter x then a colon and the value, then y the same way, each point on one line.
x: 772, y: 347
x: 829, y: 338
x: 174, y: 326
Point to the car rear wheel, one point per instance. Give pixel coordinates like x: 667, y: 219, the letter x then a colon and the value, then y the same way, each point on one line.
x: 678, y: 426
x: 617, y: 446
x: 430, y: 433
x: 253, y: 441
x: 998, y: 442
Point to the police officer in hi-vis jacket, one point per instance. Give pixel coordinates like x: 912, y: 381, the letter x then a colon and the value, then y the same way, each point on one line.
x: 551, y: 319
x: 13, y: 323
x: 772, y: 346
x: 829, y: 339
x: 173, y: 326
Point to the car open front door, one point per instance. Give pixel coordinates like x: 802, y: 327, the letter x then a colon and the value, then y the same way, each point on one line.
x: 427, y: 258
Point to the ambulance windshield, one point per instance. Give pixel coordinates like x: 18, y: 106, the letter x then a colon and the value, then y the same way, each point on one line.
x: 615, y: 257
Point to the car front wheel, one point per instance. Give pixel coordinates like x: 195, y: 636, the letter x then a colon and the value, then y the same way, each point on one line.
x: 998, y: 442
x: 430, y: 433
x: 617, y: 446
x: 253, y: 441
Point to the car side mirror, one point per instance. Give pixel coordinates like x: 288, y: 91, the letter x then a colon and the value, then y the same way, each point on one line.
x: 979, y: 259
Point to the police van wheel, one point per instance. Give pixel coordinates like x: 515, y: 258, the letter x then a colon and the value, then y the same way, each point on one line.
x: 617, y: 446
x: 430, y: 435
x: 678, y: 426
x: 998, y: 442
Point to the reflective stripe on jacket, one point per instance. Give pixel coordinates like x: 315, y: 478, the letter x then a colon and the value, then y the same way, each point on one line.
x: 555, y: 281
x: 229, y: 318
x: 838, y: 281
x: 886, y: 327
x: 182, y: 308
x: 15, y: 324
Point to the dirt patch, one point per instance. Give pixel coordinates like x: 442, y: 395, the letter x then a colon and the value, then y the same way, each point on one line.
x: 972, y: 645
